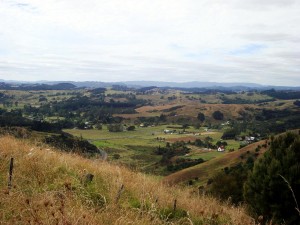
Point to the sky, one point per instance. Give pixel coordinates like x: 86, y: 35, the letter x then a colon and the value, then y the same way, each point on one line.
x: 249, y: 41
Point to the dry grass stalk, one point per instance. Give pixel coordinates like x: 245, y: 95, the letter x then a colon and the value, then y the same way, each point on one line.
x: 289, y: 186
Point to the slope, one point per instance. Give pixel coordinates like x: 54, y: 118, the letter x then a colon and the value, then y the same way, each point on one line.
x: 51, y: 187
x: 205, y: 170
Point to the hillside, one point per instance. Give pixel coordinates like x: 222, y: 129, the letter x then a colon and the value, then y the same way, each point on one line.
x: 205, y: 170
x: 50, y: 187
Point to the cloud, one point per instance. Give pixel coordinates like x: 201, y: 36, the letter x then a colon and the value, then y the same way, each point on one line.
x: 274, y: 37
x: 183, y: 40
x: 248, y: 49
x: 258, y: 4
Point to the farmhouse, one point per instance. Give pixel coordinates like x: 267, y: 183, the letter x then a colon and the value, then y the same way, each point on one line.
x: 221, y: 149
x: 249, y: 138
x: 166, y: 131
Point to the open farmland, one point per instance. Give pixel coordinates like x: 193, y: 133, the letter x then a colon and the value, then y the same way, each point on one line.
x: 136, y: 148
x: 87, y: 114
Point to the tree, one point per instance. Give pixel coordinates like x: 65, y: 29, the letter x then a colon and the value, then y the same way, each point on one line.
x: 267, y: 189
x: 201, y: 117
x: 98, y: 126
x: 217, y: 115
x: 219, y: 143
x: 185, y: 126
x: 228, y: 183
x: 115, y: 127
x: 229, y: 134
x: 131, y: 128
x: 297, y: 103
x: 163, y: 118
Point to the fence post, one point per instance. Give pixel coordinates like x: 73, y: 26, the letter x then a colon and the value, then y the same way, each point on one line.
x: 11, y: 167
x: 174, y: 206
x: 119, y: 193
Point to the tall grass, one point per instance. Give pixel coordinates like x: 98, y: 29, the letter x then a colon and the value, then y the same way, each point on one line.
x: 49, y: 187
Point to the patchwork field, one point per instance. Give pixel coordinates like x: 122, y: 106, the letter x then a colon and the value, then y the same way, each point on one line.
x: 136, y: 148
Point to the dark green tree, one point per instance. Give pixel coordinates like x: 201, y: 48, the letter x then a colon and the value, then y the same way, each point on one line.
x: 230, y: 134
x: 217, y: 115
x: 131, y: 128
x: 201, y: 116
x: 115, y: 127
x: 273, y: 187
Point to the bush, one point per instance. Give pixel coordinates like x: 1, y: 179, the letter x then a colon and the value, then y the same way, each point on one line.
x: 116, y: 156
x: 228, y: 183
x: 115, y: 127
x: 131, y: 128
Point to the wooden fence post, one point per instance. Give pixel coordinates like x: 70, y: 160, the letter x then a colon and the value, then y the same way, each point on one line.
x: 11, y: 167
x: 119, y: 193
x: 174, y: 206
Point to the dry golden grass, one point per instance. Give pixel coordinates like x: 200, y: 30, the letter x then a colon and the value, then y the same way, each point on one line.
x: 191, y: 109
x: 49, y: 188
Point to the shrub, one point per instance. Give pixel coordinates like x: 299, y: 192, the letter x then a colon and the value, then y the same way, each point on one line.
x: 131, y: 128
x: 115, y: 127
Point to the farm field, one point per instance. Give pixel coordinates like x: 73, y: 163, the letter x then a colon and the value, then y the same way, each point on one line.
x: 137, y: 148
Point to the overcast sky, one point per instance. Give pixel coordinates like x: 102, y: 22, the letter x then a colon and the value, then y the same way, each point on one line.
x: 254, y: 41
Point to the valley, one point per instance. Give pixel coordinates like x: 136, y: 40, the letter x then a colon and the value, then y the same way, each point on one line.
x: 183, y: 138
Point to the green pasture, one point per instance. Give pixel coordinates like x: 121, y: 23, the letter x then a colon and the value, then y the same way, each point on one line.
x: 136, y: 148
x: 232, y: 144
x: 141, y: 136
x: 208, y: 155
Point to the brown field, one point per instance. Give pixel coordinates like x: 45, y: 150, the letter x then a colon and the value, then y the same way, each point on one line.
x: 190, y: 109
x: 145, y: 109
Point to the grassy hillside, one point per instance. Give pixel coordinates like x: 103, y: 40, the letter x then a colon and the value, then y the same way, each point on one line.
x: 205, y: 170
x: 49, y: 187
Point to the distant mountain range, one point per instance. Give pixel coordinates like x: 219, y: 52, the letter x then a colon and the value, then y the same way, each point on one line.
x: 36, y: 86
x: 140, y: 84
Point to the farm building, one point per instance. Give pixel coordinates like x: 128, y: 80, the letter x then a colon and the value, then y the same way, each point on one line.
x: 221, y: 149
